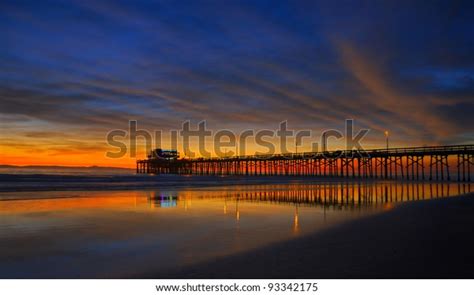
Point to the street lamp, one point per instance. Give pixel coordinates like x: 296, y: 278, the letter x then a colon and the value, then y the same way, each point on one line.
x: 386, y: 137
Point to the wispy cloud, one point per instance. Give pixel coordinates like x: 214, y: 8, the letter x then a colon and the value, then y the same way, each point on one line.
x: 76, y: 70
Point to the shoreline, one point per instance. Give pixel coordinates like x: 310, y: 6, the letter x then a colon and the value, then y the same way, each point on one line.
x: 47, y: 182
x: 53, y: 182
x: 425, y: 239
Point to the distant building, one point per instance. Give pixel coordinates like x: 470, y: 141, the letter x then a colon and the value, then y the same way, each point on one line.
x: 163, y: 154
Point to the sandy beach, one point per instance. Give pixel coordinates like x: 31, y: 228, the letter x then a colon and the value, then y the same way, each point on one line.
x: 128, y: 226
x: 425, y: 239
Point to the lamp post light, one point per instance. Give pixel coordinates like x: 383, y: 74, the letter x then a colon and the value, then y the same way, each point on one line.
x: 386, y: 138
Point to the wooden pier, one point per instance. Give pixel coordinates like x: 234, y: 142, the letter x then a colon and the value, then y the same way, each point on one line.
x: 417, y: 163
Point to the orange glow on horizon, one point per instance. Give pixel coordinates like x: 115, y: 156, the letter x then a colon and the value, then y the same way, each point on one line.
x: 41, y: 154
x: 91, y: 159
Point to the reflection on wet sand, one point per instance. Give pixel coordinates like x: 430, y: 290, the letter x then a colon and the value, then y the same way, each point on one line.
x: 339, y: 194
x: 122, y: 233
x: 334, y: 196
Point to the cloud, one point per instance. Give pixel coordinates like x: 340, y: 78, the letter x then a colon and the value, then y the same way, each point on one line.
x: 416, y: 115
x: 77, y: 70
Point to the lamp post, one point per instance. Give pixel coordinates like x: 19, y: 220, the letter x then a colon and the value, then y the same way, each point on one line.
x: 386, y: 158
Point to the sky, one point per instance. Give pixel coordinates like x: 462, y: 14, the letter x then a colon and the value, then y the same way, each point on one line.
x: 71, y: 71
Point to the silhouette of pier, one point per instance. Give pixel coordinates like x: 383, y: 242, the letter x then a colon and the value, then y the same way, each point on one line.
x: 416, y: 163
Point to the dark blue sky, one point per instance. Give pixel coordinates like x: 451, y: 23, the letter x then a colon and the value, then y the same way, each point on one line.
x: 76, y: 69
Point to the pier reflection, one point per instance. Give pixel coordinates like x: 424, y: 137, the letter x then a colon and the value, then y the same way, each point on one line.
x: 335, y: 195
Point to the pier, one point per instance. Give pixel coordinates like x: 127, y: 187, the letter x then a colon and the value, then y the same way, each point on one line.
x: 439, y: 163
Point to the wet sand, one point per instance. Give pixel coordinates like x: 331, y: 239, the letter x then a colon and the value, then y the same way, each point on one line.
x: 425, y: 239
x: 421, y: 239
